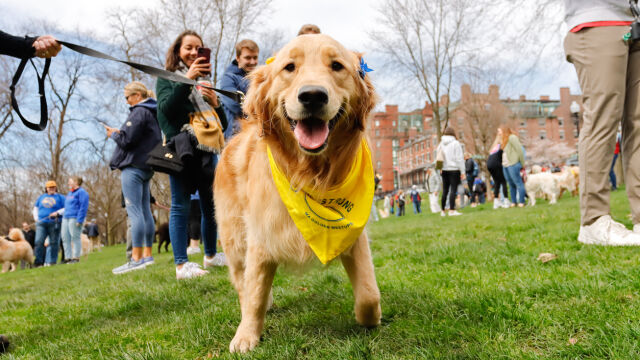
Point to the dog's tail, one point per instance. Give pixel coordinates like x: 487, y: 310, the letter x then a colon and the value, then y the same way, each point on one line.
x: 16, y: 234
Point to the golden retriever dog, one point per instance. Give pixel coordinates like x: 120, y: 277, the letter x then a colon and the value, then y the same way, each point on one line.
x: 309, y: 106
x: 87, y: 245
x: 14, y: 249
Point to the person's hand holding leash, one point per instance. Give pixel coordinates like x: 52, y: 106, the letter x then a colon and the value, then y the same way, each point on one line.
x: 46, y: 46
x: 198, y: 69
x: 210, y: 97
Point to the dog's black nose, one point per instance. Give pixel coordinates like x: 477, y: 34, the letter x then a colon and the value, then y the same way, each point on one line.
x: 313, y: 97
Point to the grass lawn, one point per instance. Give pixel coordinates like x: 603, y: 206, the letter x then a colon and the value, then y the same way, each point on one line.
x: 455, y: 287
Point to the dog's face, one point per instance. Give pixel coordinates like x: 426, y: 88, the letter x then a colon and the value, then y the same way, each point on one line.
x: 311, y: 94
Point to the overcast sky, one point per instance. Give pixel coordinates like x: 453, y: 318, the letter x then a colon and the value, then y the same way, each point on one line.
x: 347, y: 21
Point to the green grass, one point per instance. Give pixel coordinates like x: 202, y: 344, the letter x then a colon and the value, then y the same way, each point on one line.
x: 460, y: 287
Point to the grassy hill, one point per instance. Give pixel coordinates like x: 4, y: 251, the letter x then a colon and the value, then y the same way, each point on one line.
x: 454, y: 287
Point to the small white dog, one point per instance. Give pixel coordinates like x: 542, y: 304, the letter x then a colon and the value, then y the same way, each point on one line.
x: 545, y: 183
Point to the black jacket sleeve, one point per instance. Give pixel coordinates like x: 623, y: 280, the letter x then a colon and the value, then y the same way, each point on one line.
x: 20, y: 47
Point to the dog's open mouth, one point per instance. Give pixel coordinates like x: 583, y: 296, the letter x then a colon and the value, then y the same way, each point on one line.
x: 313, y: 133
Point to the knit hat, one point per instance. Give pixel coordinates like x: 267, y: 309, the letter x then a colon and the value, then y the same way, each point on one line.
x: 50, y: 183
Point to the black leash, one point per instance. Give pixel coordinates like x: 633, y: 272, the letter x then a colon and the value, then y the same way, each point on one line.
x: 237, y: 96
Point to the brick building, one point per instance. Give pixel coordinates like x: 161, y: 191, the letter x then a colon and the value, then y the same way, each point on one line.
x: 404, y: 145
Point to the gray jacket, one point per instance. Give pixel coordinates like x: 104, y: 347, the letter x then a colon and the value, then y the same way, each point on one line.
x: 583, y: 11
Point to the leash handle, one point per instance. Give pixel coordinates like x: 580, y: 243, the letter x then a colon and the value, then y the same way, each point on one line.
x: 43, y: 100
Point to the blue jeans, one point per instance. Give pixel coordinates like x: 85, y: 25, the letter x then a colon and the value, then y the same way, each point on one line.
x: 516, y: 186
x: 416, y: 207
x: 43, y: 230
x: 71, y: 238
x: 612, y: 174
x: 179, y: 215
x: 135, y: 188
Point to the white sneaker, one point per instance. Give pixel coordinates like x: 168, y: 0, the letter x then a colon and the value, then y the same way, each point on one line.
x: 506, y: 203
x: 190, y: 270
x: 218, y: 260
x: 442, y: 213
x: 193, y: 250
x: 454, y: 213
x: 605, y: 231
x: 496, y: 204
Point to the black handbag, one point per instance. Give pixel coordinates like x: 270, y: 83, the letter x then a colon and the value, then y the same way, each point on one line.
x: 165, y: 160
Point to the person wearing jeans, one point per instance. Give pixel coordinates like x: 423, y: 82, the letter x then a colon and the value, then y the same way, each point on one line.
x: 512, y: 163
x: 178, y: 104
x: 134, y: 140
x: 75, y: 209
x: 45, y: 215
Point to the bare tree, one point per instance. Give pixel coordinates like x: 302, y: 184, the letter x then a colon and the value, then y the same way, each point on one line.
x: 145, y: 34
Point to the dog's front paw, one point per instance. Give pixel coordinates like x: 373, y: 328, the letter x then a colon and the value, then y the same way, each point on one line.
x: 243, y: 342
x: 368, y: 314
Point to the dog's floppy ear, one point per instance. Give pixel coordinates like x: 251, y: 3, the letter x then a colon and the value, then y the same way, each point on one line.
x: 366, y: 94
x: 256, y: 104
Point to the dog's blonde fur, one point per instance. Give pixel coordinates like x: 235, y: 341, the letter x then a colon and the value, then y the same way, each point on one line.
x: 256, y: 230
x: 14, y: 250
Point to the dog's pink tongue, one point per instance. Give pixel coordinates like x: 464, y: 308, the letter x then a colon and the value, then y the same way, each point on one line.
x: 311, y: 134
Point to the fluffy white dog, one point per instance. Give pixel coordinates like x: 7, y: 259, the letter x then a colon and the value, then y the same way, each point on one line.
x: 545, y: 183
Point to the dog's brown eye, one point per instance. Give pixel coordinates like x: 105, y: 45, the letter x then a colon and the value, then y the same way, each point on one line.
x: 290, y: 67
x: 336, y: 66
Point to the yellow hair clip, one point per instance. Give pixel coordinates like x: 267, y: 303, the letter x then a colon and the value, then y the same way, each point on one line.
x: 269, y: 60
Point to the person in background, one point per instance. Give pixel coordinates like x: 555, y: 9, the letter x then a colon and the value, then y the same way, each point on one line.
x: 195, y: 219
x: 494, y: 165
x: 235, y: 79
x: 401, y: 203
x: 177, y: 103
x: 512, y: 163
x: 415, y: 199
x: 134, y: 140
x: 93, y: 233
x: 471, y: 171
x: 76, y: 205
x: 309, y: 29
x: 453, y: 170
x: 46, y: 214
x: 612, y: 173
x: 479, y: 189
x: 29, y: 234
x: 433, y: 184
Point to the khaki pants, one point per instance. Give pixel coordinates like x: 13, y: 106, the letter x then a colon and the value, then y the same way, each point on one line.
x: 608, y: 70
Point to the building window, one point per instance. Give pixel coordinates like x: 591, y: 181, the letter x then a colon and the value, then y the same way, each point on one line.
x: 542, y: 122
x: 560, y: 121
x: 460, y: 121
x: 461, y: 134
x: 543, y: 134
x: 393, y: 123
x: 561, y: 133
x: 377, y: 123
x: 377, y: 132
x: 378, y: 143
x: 522, y: 134
x: 379, y: 164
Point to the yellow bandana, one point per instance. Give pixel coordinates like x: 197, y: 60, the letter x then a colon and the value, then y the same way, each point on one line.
x: 330, y: 222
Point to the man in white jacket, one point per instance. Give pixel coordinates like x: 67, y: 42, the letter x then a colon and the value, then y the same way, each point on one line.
x: 607, y: 62
x: 452, y: 169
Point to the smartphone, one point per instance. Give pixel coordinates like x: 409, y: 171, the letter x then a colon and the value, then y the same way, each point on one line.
x: 205, y: 53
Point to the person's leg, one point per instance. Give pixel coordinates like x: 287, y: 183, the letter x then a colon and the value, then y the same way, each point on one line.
x: 418, y: 204
x: 149, y: 223
x: 630, y: 143
x: 446, y: 187
x: 132, y: 180
x: 600, y: 58
x: 513, y: 189
x: 454, y: 180
x: 39, y: 250
x: 472, y: 195
x: 514, y: 174
x: 53, y: 231
x: 612, y: 173
x: 129, y: 241
x: 208, y: 226
x: 66, y: 237
x: 178, y: 217
x: 76, y: 231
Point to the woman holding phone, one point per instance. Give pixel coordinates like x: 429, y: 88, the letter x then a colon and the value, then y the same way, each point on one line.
x: 134, y: 140
x: 177, y: 103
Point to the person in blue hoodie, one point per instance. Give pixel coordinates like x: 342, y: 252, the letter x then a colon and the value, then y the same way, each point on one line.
x: 45, y: 214
x: 134, y: 140
x: 75, y: 209
x: 234, y: 79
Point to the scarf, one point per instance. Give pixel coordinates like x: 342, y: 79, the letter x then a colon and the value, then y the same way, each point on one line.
x: 330, y: 222
x: 204, y: 122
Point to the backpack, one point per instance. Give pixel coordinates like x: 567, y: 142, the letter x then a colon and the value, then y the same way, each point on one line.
x: 439, y: 158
